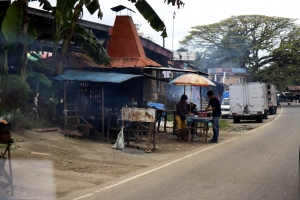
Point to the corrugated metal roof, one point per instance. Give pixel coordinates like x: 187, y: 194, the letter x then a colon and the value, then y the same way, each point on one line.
x: 132, y: 62
x: 101, y: 77
x: 294, y: 87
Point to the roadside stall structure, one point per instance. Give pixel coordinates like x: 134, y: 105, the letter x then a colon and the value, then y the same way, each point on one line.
x: 145, y: 122
x: 84, y: 96
x: 195, y: 80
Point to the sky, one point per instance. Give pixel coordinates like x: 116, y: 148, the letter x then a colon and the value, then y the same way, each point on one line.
x: 195, y: 12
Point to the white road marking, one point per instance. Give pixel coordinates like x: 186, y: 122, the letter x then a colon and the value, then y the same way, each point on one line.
x: 82, y: 197
x: 170, y: 163
x: 266, y: 123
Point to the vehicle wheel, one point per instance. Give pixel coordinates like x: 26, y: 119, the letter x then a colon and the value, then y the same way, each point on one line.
x: 265, y: 115
x: 271, y: 111
x: 236, y: 120
x: 259, y: 119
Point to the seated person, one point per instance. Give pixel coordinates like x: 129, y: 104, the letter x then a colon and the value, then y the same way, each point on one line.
x: 191, y: 107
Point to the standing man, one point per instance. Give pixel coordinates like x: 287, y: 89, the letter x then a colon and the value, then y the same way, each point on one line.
x: 214, y: 105
x: 181, y: 111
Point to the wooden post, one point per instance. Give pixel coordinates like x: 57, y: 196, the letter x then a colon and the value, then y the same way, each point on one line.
x: 149, y: 136
x: 174, y: 122
x: 10, y: 170
x: 102, y: 106
x: 200, y: 99
x: 153, y: 131
x: 65, y: 104
x: 108, y: 126
x: 165, y: 124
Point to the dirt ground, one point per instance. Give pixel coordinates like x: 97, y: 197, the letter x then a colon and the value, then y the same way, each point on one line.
x: 48, y: 164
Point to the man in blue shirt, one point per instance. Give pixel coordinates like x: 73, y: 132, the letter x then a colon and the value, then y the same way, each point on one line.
x: 214, y: 105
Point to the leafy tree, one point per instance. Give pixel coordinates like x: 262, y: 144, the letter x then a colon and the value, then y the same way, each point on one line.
x: 240, y: 41
x: 16, y: 92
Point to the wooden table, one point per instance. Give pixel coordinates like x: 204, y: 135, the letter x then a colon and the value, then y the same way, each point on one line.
x: 204, y: 128
x: 3, y: 158
x: 137, y: 130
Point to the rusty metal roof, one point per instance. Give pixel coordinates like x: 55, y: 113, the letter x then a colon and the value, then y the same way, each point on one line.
x: 294, y: 88
x: 125, y: 47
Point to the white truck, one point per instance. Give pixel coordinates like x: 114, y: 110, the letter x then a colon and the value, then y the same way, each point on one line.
x: 272, y: 99
x: 248, y: 101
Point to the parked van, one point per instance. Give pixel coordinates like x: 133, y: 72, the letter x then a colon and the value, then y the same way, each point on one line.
x: 248, y: 101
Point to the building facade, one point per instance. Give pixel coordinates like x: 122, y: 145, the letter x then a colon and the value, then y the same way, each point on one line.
x: 228, y: 75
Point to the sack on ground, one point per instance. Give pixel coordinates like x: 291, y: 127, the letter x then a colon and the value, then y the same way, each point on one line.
x: 119, y: 144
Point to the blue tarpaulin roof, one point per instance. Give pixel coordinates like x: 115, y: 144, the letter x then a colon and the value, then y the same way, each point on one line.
x: 103, y: 77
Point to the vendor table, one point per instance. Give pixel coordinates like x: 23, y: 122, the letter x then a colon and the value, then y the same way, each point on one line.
x: 203, y: 125
x: 3, y: 158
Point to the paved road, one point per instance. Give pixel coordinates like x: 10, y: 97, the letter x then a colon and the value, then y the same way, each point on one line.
x: 263, y: 164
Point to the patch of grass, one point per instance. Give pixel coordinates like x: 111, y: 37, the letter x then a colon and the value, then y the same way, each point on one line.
x: 13, y: 147
x: 223, y: 123
x: 170, y: 118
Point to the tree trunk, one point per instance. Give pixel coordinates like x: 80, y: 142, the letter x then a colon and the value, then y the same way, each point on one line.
x: 5, y: 57
x: 22, y: 54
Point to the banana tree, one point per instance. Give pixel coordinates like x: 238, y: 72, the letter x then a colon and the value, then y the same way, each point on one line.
x: 151, y: 16
x: 18, y: 32
x: 88, y: 40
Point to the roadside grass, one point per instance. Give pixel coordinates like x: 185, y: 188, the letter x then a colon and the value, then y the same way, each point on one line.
x: 223, y: 123
x: 170, y: 118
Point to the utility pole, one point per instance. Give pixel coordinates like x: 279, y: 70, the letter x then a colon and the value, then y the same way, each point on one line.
x: 173, y: 30
x: 163, y: 39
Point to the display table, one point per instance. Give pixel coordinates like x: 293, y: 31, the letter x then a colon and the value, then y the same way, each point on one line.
x: 203, y: 125
x: 3, y: 159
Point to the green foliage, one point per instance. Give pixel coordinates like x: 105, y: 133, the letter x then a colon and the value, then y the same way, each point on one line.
x: 46, y: 4
x: 170, y: 118
x: 223, y: 124
x: 240, y: 41
x: 18, y: 120
x: 39, y: 77
x: 15, y: 92
x: 65, y: 7
x: 89, y: 43
x: 39, y: 66
x: 13, y: 147
x: 12, y: 22
x: 93, y: 6
x: 150, y: 15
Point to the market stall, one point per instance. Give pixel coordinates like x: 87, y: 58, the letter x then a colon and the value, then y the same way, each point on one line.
x: 194, y: 120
